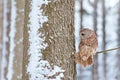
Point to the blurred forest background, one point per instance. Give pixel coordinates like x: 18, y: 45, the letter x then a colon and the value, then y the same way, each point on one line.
x: 103, y: 16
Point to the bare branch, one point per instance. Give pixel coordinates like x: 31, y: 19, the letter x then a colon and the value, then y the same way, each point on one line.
x: 104, y: 51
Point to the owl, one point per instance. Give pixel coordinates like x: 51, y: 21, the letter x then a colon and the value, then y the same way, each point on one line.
x: 87, y: 47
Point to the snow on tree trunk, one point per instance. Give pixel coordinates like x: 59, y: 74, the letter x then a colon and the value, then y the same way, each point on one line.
x: 5, y: 38
x: 49, y: 40
x: 12, y: 40
x: 12, y: 37
x: 17, y: 52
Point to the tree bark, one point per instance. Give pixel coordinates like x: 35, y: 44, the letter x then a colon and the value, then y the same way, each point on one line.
x: 59, y: 35
x: 62, y: 31
x: 81, y: 14
x: 95, y: 66
x: 1, y: 27
x: 81, y: 26
x: 104, y: 39
x: 118, y: 40
x: 26, y: 44
x: 18, y: 50
x: 5, y: 37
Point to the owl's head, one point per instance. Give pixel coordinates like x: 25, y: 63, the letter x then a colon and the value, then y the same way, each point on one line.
x: 86, y: 33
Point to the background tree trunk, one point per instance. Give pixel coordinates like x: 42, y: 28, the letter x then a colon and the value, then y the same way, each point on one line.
x: 95, y: 66
x: 1, y: 28
x: 15, y: 36
x: 59, y: 36
x: 12, y: 40
x: 104, y: 39
x: 18, y: 40
x: 5, y: 38
x: 81, y: 14
x: 81, y: 26
x: 118, y: 40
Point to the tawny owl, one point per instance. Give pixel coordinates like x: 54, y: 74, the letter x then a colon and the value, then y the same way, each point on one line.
x: 87, y: 47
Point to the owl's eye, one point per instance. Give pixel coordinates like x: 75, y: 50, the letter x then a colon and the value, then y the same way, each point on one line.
x: 82, y: 34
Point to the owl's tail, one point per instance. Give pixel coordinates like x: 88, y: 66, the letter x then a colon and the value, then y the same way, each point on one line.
x: 86, y: 63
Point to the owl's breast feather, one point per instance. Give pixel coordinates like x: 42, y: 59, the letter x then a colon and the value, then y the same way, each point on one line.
x: 92, y: 42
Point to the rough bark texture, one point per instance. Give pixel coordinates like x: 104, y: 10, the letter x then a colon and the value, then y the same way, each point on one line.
x: 1, y: 28
x: 95, y: 66
x: 59, y: 33
x: 19, y: 41
x: 26, y: 40
x: 60, y: 36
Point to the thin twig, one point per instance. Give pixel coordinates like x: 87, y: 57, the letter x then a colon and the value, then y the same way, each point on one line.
x: 108, y: 50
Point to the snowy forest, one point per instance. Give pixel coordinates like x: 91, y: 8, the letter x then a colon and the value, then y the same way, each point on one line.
x: 38, y: 37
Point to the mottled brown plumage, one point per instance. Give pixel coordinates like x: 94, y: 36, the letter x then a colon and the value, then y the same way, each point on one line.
x: 87, y: 47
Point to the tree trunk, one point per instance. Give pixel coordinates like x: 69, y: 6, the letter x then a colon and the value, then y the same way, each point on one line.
x: 80, y: 69
x: 16, y: 40
x: 50, y: 42
x: 1, y: 27
x: 104, y: 40
x: 81, y: 14
x: 118, y: 40
x: 5, y: 38
x: 95, y: 66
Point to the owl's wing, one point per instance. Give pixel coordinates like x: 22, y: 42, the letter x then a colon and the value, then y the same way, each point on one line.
x: 86, y: 51
x: 85, y: 55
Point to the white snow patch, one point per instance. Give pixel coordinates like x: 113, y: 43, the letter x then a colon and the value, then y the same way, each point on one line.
x: 12, y: 42
x: 38, y: 68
